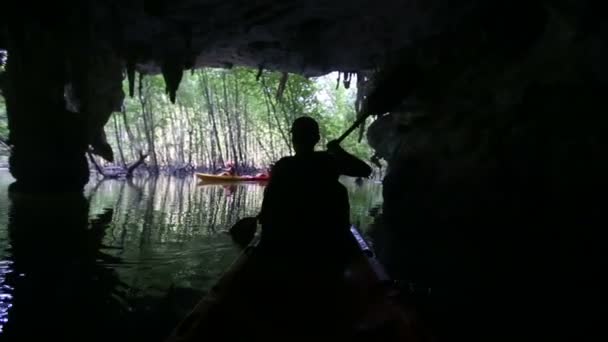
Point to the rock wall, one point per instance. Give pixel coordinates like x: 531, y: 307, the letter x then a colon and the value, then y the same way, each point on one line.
x: 503, y: 149
x: 496, y: 181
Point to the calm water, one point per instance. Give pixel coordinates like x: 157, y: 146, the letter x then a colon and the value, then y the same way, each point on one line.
x: 128, y: 260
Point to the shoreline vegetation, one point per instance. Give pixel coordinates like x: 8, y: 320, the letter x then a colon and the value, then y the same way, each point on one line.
x: 220, y: 116
x: 226, y: 116
x: 118, y: 172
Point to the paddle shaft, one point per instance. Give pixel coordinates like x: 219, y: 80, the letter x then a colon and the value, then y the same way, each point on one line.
x: 356, y: 124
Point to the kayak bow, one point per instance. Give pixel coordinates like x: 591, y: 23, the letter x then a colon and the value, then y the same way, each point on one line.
x: 235, y: 309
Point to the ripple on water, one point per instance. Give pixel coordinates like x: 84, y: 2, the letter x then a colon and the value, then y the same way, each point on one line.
x: 6, y: 292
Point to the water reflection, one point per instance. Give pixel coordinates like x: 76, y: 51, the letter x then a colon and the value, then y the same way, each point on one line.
x: 6, y: 291
x: 127, y: 260
x: 58, y: 272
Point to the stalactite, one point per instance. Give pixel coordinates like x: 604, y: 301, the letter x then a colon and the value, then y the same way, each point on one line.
x: 172, y: 71
x: 260, y: 72
x: 186, y: 30
x: 360, y: 92
x: 347, y: 78
x: 362, y: 88
x: 338, y: 81
x: 141, y: 83
x: 282, y: 83
x: 190, y: 63
x: 131, y: 75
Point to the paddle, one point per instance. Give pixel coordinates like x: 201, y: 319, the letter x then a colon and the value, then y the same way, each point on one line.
x: 354, y: 126
x: 243, y: 231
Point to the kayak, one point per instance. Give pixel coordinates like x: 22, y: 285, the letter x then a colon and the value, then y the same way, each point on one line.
x: 207, y: 177
x: 237, y: 308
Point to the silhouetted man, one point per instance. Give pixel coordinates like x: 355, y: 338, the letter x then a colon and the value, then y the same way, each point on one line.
x: 305, y: 213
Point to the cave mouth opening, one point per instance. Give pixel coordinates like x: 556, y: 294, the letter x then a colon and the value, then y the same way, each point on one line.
x: 237, y: 116
x: 215, y: 116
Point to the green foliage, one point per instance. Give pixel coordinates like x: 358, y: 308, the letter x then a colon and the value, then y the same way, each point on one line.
x: 3, y: 58
x: 246, y: 111
x: 227, y: 115
x: 3, y: 119
x: 337, y: 113
x: 3, y: 116
x: 4, y: 151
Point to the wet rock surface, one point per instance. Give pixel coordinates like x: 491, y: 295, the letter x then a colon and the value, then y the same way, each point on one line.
x: 495, y: 182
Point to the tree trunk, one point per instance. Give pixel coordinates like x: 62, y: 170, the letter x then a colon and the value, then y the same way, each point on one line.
x: 237, y: 114
x: 270, y: 106
x: 95, y: 164
x: 235, y: 157
x: 222, y: 126
x: 207, y: 156
x: 211, y: 112
x: 130, y: 135
x: 190, y: 134
x: 135, y: 165
x: 118, y: 140
x: 148, y: 118
x: 166, y: 157
x: 177, y: 136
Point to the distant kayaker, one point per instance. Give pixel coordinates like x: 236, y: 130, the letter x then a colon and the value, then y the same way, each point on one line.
x: 304, y: 196
x: 229, y: 170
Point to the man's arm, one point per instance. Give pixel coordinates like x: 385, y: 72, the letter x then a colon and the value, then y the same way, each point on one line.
x: 270, y: 191
x: 263, y: 214
x: 346, y: 163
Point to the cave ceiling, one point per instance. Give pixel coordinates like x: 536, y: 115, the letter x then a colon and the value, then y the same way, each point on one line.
x: 309, y: 37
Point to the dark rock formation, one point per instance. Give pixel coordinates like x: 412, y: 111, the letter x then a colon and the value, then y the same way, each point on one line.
x: 494, y: 139
x: 496, y: 179
x: 42, y: 131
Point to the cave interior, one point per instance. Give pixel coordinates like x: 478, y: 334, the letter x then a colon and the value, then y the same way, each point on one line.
x: 488, y: 114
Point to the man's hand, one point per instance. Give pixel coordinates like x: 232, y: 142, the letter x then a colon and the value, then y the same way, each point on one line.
x: 334, y: 147
x: 348, y: 164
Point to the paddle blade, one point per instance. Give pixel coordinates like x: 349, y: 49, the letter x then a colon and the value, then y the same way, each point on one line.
x: 243, y: 231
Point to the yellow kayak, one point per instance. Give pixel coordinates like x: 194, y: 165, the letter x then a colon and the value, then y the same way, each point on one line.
x: 207, y: 177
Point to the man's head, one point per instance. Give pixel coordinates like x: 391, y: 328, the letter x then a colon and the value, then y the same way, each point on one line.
x: 304, y: 134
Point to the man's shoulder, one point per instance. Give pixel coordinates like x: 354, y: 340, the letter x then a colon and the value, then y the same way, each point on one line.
x: 324, y: 157
x: 282, y: 163
x: 317, y: 157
